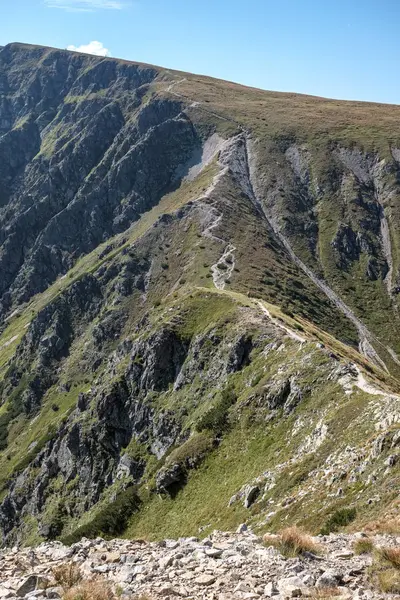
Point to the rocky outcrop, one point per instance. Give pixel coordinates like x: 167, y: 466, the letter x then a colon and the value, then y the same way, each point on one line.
x: 87, y: 448
x: 86, y: 453
x: 75, y: 162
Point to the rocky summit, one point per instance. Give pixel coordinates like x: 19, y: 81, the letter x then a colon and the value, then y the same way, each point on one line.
x: 199, y: 316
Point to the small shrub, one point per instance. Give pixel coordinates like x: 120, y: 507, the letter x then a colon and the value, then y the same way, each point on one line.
x: 292, y: 542
x: 111, y: 520
x: 389, y: 581
x: 363, y: 546
x: 385, y: 570
x: 340, y: 518
x: 391, y: 556
x: 91, y: 590
x: 295, y: 541
x: 67, y: 575
x: 385, y: 579
x: 216, y: 418
x: 197, y: 446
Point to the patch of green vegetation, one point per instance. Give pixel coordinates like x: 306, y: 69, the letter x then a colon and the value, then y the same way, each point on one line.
x: 216, y: 418
x: 202, y: 311
x: 340, y: 518
x: 30, y: 525
x: 28, y: 438
x: 21, y: 122
x: 384, y: 573
x: 73, y: 99
x: 110, y: 521
x: 363, y: 546
x: 199, y: 444
x: 48, y: 146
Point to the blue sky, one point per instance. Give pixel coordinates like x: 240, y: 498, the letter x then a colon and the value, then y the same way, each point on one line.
x: 336, y: 48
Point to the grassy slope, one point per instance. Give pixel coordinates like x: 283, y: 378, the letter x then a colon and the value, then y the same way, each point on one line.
x: 371, y: 125
x: 321, y: 124
x: 254, y: 446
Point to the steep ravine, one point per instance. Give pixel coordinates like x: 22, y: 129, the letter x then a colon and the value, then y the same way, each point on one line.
x: 366, y: 337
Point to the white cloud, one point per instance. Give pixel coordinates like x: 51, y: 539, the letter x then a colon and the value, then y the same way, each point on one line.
x: 95, y: 48
x: 85, y: 5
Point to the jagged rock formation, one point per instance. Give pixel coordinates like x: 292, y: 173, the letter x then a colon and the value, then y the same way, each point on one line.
x: 198, y: 297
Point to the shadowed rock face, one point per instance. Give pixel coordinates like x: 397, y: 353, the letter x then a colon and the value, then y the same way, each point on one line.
x: 83, y: 153
x: 145, y: 220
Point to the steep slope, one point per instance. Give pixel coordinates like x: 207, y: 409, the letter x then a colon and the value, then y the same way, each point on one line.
x: 198, y: 300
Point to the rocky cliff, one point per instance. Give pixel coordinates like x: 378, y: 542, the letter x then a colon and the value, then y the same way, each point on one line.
x: 199, y: 304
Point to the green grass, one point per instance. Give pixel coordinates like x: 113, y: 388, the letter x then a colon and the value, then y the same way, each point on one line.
x: 204, y: 499
x: 250, y: 445
x: 23, y: 433
x: 197, y: 445
x: 110, y: 521
x: 384, y: 573
x: 340, y: 518
x: 363, y: 546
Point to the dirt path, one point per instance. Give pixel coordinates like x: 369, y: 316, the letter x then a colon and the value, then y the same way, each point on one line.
x: 290, y: 332
x: 349, y: 381
x: 367, y: 387
x: 222, y: 269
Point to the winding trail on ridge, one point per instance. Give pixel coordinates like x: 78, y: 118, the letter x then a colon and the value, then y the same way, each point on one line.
x: 365, y: 346
x: 220, y: 275
x: 277, y: 323
x: 223, y: 268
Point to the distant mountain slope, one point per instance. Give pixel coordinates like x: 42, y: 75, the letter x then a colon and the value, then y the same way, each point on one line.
x: 146, y: 218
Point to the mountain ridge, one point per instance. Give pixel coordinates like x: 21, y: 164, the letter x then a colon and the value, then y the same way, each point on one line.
x: 199, y: 296
x: 201, y: 75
